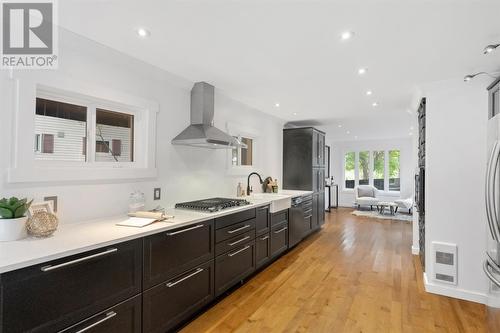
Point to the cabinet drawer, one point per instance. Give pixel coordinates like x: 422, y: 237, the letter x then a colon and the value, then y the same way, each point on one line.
x: 125, y: 317
x: 262, y: 250
x: 262, y: 222
x: 234, y: 266
x: 170, y: 303
x: 170, y: 253
x: 232, y: 243
x: 279, y: 239
x: 54, y: 295
x: 234, y: 230
x: 225, y: 221
x: 279, y: 217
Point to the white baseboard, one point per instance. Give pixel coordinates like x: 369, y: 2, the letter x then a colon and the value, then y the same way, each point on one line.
x: 415, y: 250
x: 467, y: 295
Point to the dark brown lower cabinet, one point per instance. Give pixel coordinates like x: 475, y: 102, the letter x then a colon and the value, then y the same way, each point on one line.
x: 279, y: 239
x: 262, y: 250
x: 321, y: 210
x: 168, y: 304
x: 55, y: 295
x: 172, y: 252
x: 234, y: 266
x: 315, y: 212
x: 125, y: 317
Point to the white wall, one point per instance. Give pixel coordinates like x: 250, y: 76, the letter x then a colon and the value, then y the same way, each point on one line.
x: 339, y: 148
x: 185, y: 173
x: 455, y: 171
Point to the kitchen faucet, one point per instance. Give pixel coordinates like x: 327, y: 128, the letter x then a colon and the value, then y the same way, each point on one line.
x: 248, y: 181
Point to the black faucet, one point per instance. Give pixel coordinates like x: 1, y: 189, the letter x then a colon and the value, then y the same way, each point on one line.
x: 248, y: 181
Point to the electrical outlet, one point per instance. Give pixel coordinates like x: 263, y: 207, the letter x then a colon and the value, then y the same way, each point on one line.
x: 54, y: 202
x: 157, y: 193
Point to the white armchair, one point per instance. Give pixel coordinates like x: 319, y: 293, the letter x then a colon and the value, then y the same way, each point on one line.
x: 366, y: 195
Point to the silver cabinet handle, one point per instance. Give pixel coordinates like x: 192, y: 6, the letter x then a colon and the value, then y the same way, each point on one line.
x: 264, y: 238
x: 241, y: 250
x: 486, y: 268
x: 185, y: 230
x: 239, y: 229
x: 171, y: 284
x: 264, y: 208
x: 239, y: 241
x: 281, y: 230
x: 109, y: 315
x: 49, y: 268
x: 307, y: 216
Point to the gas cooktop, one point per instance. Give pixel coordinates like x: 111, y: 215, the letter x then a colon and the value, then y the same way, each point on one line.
x: 212, y: 205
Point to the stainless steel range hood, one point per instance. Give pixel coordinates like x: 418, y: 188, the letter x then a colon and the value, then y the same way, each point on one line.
x: 201, y: 132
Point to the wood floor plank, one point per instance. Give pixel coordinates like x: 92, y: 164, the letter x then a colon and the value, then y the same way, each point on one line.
x: 355, y: 275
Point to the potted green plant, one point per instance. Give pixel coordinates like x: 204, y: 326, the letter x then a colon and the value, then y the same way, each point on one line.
x: 13, y: 218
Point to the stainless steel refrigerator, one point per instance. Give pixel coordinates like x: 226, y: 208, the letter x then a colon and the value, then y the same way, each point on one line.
x: 491, y: 263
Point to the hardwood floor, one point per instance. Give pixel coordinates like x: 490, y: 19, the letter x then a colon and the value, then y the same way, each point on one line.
x: 356, y: 275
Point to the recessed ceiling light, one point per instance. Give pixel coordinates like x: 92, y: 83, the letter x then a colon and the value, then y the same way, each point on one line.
x: 362, y: 71
x: 340, y: 126
x: 348, y: 132
x: 277, y: 105
x: 411, y: 128
x: 369, y: 92
x: 143, y: 32
x: 355, y: 137
x: 374, y: 104
x: 346, y: 35
x: 410, y: 133
x: 295, y: 113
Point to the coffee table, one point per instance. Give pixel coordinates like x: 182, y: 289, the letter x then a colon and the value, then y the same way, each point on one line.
x: 383, y: 205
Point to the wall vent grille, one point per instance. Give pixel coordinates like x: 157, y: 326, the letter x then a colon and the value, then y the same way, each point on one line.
x: 444, y: 277
x: 444, y: 263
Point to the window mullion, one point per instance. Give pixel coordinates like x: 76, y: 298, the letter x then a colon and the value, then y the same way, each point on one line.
x: 371, y: 165
x: 91, y: 132
x: 356, y: 169
x: 386, y: 170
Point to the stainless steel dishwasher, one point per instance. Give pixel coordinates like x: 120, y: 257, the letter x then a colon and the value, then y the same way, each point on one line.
x: 296, y: 223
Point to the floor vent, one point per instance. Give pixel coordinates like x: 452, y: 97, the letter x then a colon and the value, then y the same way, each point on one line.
x: 445, y: 262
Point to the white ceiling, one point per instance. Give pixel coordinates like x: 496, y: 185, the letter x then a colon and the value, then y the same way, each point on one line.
x: 263, y: 52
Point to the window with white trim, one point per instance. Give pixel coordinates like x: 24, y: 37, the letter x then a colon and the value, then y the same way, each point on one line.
x: 380, y: 168
x: 243, y: 156
x: 61, y: 132
x: 81, y: 131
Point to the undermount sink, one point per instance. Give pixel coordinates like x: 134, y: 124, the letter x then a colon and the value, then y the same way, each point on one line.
x: 277, y: 203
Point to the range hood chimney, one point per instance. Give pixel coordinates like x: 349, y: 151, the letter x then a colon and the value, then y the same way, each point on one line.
x: 201, y: 132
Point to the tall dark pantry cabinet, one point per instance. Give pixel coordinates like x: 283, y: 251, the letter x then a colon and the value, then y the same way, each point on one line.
x: 304, y: 167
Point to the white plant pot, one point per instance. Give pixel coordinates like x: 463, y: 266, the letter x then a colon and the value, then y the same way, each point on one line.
x: 13, y: 229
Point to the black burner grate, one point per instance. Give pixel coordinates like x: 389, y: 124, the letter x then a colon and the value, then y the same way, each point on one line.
x: 212, y: 204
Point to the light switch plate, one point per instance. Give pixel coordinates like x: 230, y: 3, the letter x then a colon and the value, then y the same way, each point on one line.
x: 157, y: 193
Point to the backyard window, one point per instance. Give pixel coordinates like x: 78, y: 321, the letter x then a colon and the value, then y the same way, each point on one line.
x: 61, y: 133
x: 59, y: 129
x: 243, y: 156
x: 394, y: 179
x: 364, y: 168
x: 349, y: 169
x: 114, y: 136
x: 379, y: 169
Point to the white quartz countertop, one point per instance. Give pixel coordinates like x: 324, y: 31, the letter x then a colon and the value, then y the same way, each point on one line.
x: 76, y: 238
